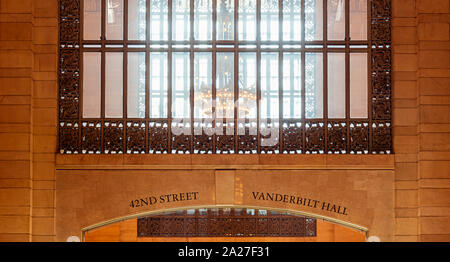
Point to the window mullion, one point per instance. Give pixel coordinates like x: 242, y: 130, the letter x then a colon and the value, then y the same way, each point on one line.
x: 347, y: 72
x: 214, y: 72
x: 280, y: 76
x: 325, y: 73
x: 169, y: 77
x: 258, y: 72
x: 191, y: 57
x: 236, y: 74
x: 147, y: 64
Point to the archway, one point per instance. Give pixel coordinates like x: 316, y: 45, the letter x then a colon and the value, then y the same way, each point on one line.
x: 224, y: 224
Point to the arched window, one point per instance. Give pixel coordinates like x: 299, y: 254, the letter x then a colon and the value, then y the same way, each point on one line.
x: 225, y: 76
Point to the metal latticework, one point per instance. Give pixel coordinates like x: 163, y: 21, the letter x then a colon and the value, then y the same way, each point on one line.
x: 305, y: 131
x: 226, y: 222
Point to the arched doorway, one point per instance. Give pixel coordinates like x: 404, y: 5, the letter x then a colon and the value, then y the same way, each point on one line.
x: 224, y: 225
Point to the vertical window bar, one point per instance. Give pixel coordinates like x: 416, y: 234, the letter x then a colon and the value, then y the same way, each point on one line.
x: 191, y: 57
x: 347, y: 72
x: 147, y: 87
x: 125, y: 74
x: 280, y: 77
x: 147, y: 27
x: 214, y: 71
x: 303, y: 77
x: 169, y: 79
x: 369, y: 71
x: 325, y: 73
x: 147, y: 66
x: 80, y: 89
x: 258, y: 73
x: 236, y: 73
x: 102, y: 109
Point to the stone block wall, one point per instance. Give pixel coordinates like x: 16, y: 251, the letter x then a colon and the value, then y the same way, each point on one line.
x: 28, y: 119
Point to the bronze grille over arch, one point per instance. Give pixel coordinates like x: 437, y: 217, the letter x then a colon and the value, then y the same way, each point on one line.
x: 297, y: 135
x: 226, y: 222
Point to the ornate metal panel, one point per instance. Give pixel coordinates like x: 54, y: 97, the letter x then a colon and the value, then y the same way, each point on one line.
x: 337, y: 137
x: 225, y: 143
x: 91, y: 133
x: 359, y: 137
x: 113, y: 133
x: 135, y: 137
x: 69, y: 60
x: 203, y: 137
x: 315, y: 137
x: 270, y: 137
x: 68, y: 134
x: 247, y: 137
x: 302, y: 135
x: 292, y: 136
x: 158, y: 136
x: 226, y: 223
x: 381, y: 77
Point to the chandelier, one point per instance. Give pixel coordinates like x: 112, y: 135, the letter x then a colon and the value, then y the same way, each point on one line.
x: 224, y: 102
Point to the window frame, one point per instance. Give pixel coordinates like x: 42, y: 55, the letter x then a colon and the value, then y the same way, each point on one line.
x: 78, y: 135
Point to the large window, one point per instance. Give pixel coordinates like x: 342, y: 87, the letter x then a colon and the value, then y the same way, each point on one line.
x: 225, y: 76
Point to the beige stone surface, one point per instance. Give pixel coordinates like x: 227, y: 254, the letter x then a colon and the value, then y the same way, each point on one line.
x: 85, y: 198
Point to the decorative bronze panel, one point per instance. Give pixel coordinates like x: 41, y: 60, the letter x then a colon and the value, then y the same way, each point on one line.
x: 113, y: 133
x: 247, y: 137
x: 203, y: 137
x: 292, y: 136
x: 359, y: 137
x: 315, y: 137
x: 337, y: 137
x: 270, y: 137
x: 91, y: 133
x: 226, y: 223
x: 225, y: 143
x: 158, y: 136
x: 136, y: 137
x: 69, y: 133
x: 372, y: 135
x: 381, y: 77
x: 69, y: 60
x: 382, y: 137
